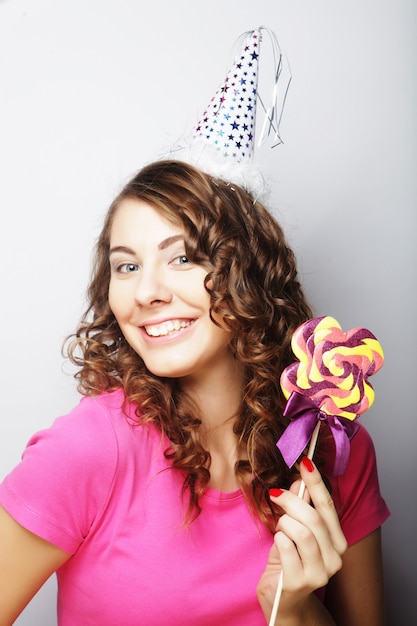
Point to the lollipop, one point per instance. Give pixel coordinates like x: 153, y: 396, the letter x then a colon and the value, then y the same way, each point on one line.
x: 328, y: 384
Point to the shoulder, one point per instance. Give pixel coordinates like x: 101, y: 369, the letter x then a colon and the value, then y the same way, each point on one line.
x: 94, y: 421
x: 362, y: 464
x: 356, y: 493
x: 89, y: 429
x: 361, y: 452
x: 361, y: 444
x: 68, y: 470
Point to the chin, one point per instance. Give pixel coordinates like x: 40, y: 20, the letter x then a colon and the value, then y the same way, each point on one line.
x: 169, y: 372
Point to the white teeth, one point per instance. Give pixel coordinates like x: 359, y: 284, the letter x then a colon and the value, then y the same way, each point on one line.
x: 160, y: 330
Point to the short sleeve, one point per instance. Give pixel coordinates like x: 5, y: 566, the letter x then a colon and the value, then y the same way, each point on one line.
x: 356, y: 493
x: 61, y: 485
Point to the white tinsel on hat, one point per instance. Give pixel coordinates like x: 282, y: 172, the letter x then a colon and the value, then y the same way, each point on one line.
x: 223, y: 141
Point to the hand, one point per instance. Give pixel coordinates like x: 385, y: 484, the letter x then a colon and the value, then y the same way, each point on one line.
x: 308, y: 548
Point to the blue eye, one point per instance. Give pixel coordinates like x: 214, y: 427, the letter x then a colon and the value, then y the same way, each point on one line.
x: 127, y: 268
x: 181, y: 260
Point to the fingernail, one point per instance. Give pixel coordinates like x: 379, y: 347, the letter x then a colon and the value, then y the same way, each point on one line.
x: 307, y: 464
x: 275, y: 493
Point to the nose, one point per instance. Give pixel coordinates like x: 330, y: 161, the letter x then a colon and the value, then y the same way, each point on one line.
x: 152, y: 288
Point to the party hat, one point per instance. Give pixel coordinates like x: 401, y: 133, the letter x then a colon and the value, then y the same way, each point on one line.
x: 228, y: 123
x: 224, y: 139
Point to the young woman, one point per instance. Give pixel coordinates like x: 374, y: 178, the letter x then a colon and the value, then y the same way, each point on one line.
x: 162, y: 497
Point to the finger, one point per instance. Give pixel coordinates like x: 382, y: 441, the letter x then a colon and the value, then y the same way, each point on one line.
x: 295, y: 488
x: 318, y: 525
x: 291, y: 564
x: 323, y: 502
x: 307, y: 554
x: 316, y: 553
x: 300, y: 521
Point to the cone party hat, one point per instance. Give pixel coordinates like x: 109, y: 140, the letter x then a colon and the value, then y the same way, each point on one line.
x: 223, y: 141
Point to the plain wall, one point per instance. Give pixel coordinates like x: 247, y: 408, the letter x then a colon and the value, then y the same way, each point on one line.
x: 90, y: 91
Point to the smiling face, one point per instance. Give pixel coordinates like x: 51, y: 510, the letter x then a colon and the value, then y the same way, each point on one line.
x: 158, y: 296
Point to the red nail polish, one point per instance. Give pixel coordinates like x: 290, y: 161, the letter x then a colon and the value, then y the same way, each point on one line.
x: 307, y: 464
x: 275, y: 493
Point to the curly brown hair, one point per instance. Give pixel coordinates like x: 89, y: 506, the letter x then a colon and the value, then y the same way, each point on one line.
x: 254, y: 288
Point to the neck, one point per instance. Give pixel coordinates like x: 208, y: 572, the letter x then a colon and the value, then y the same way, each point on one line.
x: 219, y: 399
x: 217, y: 396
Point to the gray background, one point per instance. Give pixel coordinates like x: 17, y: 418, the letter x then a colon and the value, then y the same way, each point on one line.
x: 90, y: 91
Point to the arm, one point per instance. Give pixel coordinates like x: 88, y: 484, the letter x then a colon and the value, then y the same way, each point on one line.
x: 26, y: 562
x: 355, y: 594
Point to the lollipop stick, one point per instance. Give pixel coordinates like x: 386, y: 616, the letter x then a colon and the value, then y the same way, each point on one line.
x: 310, y: 453
x: 301, y: 490
x: 276, y: 601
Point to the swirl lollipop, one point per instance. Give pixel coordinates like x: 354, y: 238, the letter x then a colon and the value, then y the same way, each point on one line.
x: 328, y: 384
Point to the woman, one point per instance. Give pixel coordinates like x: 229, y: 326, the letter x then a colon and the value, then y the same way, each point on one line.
x: 162, y: 498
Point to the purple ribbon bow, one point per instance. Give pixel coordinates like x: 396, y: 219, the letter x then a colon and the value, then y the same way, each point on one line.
x: 304, y: 415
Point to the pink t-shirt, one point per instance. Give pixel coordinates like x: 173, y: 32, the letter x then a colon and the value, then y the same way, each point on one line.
x: 100, y: 488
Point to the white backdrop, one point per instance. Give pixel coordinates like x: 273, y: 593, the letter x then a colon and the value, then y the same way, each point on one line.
x: 91, y: 90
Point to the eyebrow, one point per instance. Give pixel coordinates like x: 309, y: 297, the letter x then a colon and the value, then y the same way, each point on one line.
x: 165, y: 243
x: 169, y: 241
